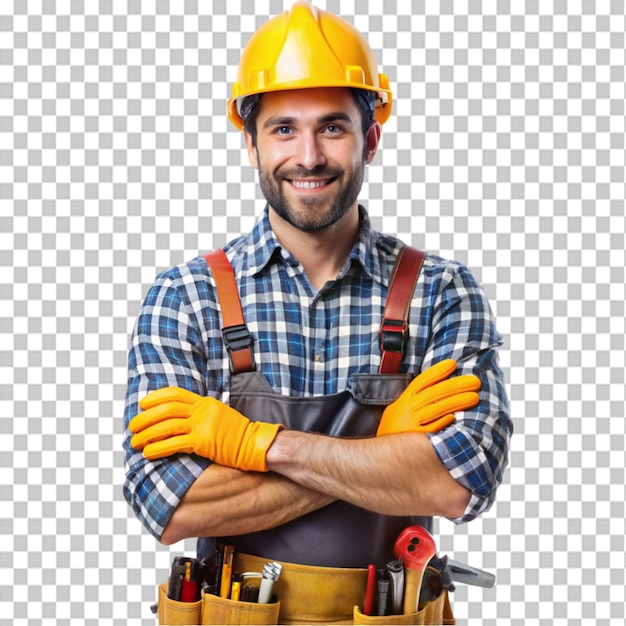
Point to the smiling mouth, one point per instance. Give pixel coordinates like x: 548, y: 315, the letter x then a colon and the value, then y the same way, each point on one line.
x: 310, y: 184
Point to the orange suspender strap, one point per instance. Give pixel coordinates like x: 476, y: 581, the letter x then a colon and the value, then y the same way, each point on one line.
x: 235, y: 332
x: 394, y: 329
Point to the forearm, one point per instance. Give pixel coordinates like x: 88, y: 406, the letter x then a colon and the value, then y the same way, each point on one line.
x: 394, y: 475
x: 225, y: 501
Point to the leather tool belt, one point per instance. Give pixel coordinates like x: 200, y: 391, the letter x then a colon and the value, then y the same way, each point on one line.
x: 304, y: 594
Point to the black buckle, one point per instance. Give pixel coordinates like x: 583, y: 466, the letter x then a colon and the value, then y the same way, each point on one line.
x: 393, y: 336
x: 237, y: 338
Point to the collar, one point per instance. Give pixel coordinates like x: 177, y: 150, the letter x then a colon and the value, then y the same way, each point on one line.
x: 371, y: 250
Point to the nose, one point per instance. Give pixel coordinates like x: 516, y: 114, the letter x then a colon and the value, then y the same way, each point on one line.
x: 309, y: 151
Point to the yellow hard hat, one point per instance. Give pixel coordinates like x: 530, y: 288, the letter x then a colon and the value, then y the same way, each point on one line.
x: 308, y: 47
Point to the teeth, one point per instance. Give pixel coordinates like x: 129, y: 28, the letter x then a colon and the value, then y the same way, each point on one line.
x: 307, y: 184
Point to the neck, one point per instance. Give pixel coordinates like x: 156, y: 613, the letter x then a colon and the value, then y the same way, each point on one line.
x: 321, y: 253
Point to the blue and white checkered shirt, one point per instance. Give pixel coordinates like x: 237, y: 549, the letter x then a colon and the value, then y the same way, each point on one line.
x: 310, y: 343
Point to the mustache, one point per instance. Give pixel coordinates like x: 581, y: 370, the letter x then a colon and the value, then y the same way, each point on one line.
x: 317, y: 172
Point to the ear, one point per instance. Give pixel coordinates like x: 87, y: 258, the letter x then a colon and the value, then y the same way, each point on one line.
x: 252, y: 152
x: 372, y: 138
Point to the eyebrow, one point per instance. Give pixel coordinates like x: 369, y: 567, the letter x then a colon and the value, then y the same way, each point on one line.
x: 338, y: 116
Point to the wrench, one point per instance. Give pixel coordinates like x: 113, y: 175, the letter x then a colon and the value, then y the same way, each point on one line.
x: 414, y: 547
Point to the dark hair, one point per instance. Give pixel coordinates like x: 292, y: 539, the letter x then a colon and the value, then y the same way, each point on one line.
x: 364, y: 100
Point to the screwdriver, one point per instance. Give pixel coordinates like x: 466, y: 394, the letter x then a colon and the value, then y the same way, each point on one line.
x: 189, y: 590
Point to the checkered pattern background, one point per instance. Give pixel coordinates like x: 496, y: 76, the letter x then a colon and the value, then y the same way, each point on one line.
x: 505, y: 151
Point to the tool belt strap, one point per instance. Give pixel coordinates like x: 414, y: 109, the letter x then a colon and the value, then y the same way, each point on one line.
x: 312, y: 594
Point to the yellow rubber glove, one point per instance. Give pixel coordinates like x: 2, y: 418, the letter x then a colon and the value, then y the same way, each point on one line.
x: 429, y: 402
x: 176, y: 420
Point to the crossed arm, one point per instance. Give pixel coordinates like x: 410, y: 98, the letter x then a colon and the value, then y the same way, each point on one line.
x: 406, y: 473
x: 310, y: 471
x: 294, y: 473
x: 224, y: 501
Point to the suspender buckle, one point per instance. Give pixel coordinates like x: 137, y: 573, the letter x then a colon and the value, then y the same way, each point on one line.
x: 393, y: 336
x: 237, y: 338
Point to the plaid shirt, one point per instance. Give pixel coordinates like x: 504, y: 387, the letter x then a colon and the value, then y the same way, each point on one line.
x: 310, y: 343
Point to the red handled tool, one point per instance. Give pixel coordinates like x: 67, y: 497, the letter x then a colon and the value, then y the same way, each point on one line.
x: 414, y: 547
x: 189, y: 588
x: 370, y: 590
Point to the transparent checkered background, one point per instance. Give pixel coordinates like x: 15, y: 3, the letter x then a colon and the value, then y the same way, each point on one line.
x: 505, y: 151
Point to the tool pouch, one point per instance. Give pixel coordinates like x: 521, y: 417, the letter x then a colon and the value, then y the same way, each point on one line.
x: 174, y: 612
x: 211, y: 609
x: 216, y: 610
x: 360, y: 618
x: 436, y: 611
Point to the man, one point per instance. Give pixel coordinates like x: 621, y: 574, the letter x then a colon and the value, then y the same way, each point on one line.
x: 313, y: 479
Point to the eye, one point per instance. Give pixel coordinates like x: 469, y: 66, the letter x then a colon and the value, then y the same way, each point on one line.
x: 283, y: 130
x: 333, y: 129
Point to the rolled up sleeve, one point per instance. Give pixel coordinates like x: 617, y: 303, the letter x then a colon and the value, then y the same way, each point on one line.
x: 162, y: 353
x: 474, y: 449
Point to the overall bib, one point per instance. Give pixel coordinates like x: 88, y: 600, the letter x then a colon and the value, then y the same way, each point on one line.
x: 340, y: 537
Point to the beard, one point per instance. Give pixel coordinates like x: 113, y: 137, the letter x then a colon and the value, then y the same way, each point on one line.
x: 315, y: 212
